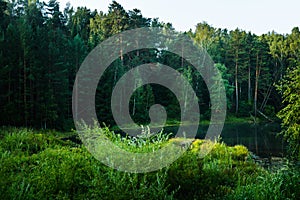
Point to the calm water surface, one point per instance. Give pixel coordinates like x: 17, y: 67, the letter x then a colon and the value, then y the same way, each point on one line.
x: 262, y: 139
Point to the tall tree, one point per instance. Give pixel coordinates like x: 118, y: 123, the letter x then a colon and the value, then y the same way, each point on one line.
x: 237, y: 52
x: 290, y: 114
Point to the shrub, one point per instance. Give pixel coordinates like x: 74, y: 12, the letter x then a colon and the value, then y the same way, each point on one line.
x: 239, y: 152
x: 65, y: 172
x: 27, y: 141
x: 185, y: 176
x: 280, y: 185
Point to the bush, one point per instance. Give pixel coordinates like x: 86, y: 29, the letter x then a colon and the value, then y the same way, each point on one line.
x: 28, y: 141
x: 185, y: 176
x: 280, y: 185
x: 239, y: 152
x: 51, y: 173
x: 213, y: 176
x: 63, y: 172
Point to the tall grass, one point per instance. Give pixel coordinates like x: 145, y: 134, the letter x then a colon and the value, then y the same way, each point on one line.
x: 39, y: 165
x: 282, y: 184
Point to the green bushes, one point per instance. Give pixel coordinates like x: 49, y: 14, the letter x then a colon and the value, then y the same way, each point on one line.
x: 72, y: 173
x: 281, y: 185
x: 27, y: 141
x: 185, y: 176
x: 35, y: 165
x: 54, y: 170
x: 214, y: 176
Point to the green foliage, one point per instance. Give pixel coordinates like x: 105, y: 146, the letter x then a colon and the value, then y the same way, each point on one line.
x: 240, y: 152
x: 27, y: 142
x: 245, y: 108
x: 144, y: 142
x: 280, y: 185
x: 38, y: 165
x: 210, y: 177
x: 185, y: 176
x: 42, y: 48
x: 226, y: 77
x: 290, y: 114
x: 66, y: 172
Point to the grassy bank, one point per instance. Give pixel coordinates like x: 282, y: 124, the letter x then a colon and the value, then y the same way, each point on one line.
x: 40, y: 165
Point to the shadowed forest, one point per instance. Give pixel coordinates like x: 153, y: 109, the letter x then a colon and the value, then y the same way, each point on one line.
x: 41, y: 49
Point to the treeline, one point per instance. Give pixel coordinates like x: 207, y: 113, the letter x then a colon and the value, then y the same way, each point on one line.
x: 41, y: 49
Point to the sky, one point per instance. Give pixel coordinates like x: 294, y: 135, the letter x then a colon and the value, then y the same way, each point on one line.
x: 257, y: 16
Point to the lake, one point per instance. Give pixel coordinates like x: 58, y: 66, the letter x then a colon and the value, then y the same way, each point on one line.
x: 261, y: 139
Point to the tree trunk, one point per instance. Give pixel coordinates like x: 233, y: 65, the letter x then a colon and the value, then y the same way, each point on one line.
x: 249, y: 84
x: 236, y: 89
x: 257, y: 72
x: 121, y: 49
x: 9, y: 87
x: 24, y: 88
x: 269, y: 91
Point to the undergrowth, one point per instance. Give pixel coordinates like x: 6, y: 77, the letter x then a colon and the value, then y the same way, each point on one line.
x: 40, y: 165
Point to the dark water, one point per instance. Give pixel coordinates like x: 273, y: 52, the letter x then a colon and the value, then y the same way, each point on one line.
x: 262, y: 139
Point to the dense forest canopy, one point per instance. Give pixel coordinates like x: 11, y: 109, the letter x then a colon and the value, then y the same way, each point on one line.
x: 41, y: 49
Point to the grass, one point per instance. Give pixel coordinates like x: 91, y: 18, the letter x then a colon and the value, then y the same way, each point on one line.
x: 38, y: 164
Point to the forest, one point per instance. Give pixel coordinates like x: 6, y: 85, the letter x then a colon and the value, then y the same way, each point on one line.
x: 42, y: 48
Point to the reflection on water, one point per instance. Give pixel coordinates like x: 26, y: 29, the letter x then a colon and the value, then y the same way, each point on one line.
x: 261, y: 139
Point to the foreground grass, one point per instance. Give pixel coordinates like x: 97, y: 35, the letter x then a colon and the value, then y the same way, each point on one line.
x: 39, y: 165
